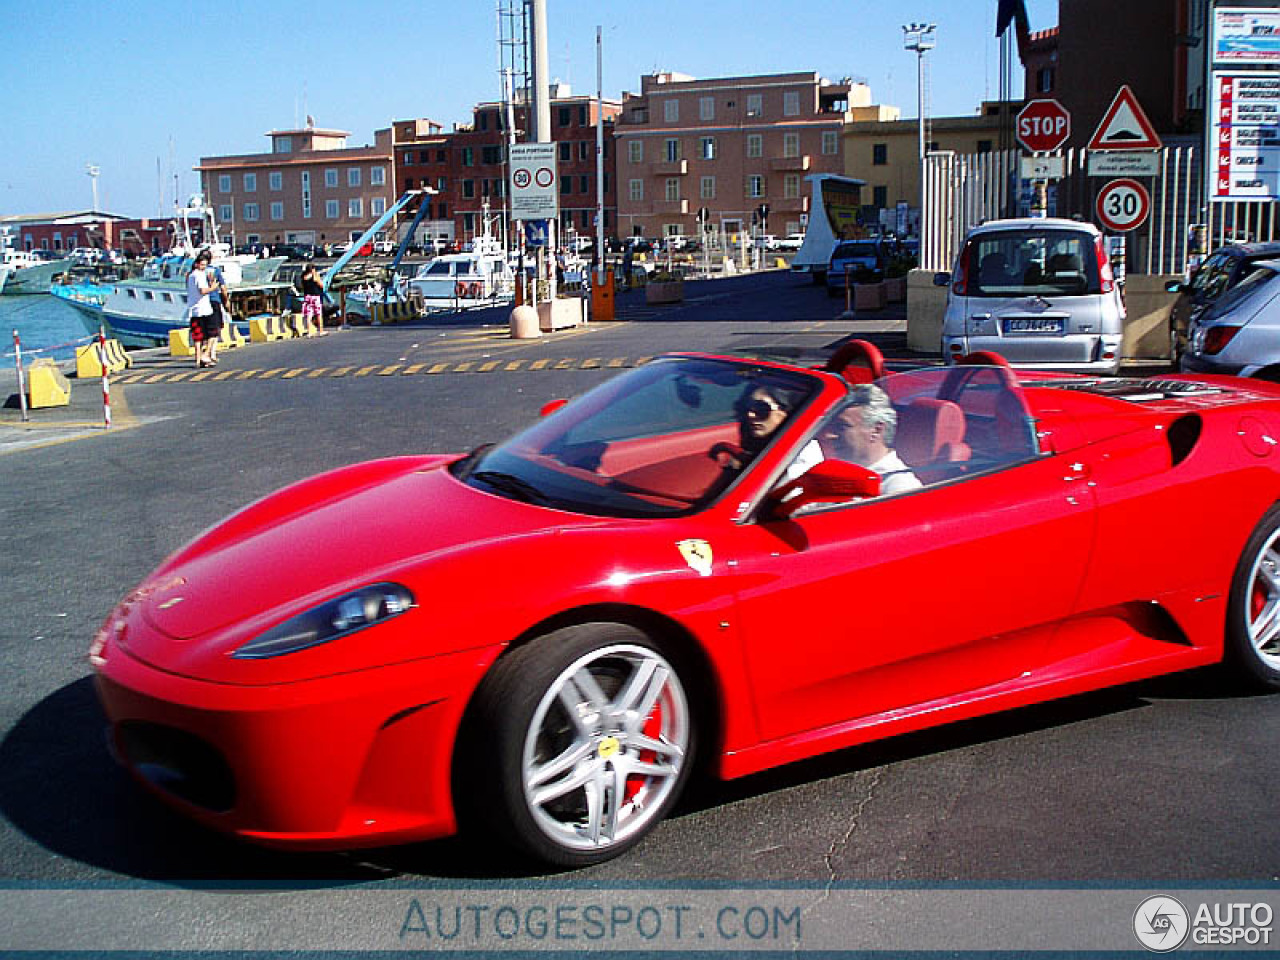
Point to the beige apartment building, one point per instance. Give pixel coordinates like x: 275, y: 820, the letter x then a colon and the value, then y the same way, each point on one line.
x: 884, y: 151
x: 311, y: 188
x: 731, y: 146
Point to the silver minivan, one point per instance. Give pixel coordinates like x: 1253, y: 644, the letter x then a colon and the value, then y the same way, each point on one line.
x: 1040, y: 292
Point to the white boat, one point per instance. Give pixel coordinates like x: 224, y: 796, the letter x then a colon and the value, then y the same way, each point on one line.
x: 24, y: 274
x: 142, y: 311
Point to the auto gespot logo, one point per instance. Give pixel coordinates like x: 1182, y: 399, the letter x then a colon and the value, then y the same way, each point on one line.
x: 1161, y: 924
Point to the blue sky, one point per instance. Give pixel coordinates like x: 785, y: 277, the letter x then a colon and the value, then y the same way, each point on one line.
x: 144, y: 90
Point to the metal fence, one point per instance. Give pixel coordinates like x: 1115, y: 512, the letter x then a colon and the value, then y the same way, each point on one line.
x: 963, y: 190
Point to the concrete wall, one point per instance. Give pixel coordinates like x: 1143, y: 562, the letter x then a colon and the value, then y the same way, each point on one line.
x: 1146, y: 332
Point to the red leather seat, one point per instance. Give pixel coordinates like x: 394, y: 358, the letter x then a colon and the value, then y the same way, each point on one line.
x: 931, y: 433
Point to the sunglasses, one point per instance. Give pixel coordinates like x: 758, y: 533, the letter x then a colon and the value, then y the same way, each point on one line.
x: 760, y: 408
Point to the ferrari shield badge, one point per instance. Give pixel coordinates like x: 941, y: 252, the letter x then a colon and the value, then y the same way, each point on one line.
x: 697, y: 554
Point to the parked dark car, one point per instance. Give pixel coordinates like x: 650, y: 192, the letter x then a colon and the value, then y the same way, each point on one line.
x: 1221, y: 270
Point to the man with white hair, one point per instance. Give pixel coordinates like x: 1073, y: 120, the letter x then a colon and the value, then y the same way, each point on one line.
x: 863, y: 433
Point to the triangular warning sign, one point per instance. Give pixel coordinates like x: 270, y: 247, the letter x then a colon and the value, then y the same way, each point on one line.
x: 1124, y: 126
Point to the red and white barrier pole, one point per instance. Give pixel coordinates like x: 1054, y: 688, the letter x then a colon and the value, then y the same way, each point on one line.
x: 106, y: 381
x: 22, y: 386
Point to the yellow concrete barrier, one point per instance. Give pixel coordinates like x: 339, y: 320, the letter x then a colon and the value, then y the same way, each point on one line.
x: 180, y: 343
x: 88, y: 365
x: 46, y: 386
x: 230, y: 337
x: 393, y: 312
x: 265, y: 328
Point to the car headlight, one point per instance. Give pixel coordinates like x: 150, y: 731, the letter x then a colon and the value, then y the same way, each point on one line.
x: 332, y: 619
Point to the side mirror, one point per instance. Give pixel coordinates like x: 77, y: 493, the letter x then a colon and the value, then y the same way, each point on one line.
x: 942, y: 279
x: 552, y: 406
x: 1174, y: 286
x: 831, y: 481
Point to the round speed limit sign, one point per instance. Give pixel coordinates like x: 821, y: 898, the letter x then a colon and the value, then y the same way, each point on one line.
x: 1123, y: 205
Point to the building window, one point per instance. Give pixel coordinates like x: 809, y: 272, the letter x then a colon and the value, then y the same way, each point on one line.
x: 277, y: 210
x: 791, y: 186
x: 830, y: 143
x: 353, y: 176
x: 755, y: 104
x: 565, y: 151
x: 250, y: 183
x: 250, y: 212
x: 275, y: 180
x: 635, y: 190
x: 224, y: 213
x: 224, y: 183
x: 468, y: 189
x: 331, y: 209
x: 355, y: 207
x: 635, y: 151
x: 791, y: 144
x: 284, y: 145
x: 673, y: 189
x: 755, y: 144
x: 331, y: 179
x: 879, y: 154
x: 707, y: 148
x: 791, y: 103
x: 377, y: 206
x: 755, y: 186
x: 707, y: 188
x: 671, y: 111
x: 706, y: 108
x: 468, y: 157
x: 377, y: 176
x: 673, y: 151
x: 880, y: 197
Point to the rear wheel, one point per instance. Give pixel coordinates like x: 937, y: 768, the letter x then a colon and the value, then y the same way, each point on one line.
x: 583, y: 741
x: 1253, y: 613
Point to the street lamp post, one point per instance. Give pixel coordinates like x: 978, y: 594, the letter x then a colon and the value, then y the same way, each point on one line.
x: 918, y: 37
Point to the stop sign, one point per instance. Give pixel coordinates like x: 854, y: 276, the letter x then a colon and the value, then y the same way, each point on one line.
x: 1042, y: 125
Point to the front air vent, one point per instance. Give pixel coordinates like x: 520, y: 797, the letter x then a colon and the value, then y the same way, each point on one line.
x: 1182, y: 436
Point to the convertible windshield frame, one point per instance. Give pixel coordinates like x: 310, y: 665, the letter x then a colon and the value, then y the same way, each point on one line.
x: 667, y: 439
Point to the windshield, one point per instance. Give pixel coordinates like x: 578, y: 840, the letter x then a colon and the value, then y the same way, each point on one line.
x: 1032, y: 262
x: 664, y: 439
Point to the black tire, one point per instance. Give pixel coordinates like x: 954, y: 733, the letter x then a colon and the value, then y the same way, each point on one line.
x: 1253, y: 610
x: 577, y: 787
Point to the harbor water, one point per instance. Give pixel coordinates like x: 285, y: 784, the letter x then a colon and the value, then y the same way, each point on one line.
x: 47, y: 328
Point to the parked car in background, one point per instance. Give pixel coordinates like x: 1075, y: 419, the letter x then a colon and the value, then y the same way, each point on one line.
x: 1040, y: 292
x: 864, y: 261
x: 1220, y: 271
x: 1239, y: 333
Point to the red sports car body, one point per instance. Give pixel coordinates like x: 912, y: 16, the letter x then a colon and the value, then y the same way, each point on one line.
x: 544, y: 635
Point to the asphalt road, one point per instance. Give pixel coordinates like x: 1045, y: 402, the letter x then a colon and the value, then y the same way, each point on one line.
x: 1157, y: 782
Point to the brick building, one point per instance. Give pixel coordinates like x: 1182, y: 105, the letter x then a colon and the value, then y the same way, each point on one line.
x: 467, y: 166
x: 730, y: 145
x: 311, y: 188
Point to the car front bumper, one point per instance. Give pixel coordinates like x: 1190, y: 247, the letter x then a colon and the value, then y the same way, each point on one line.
x: 356, y: 759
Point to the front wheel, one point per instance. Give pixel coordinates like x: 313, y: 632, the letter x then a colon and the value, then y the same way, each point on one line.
x: 1253, y: 613
x: 583, y: 740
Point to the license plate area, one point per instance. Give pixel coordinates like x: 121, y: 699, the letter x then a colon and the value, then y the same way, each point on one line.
x: 1033, y: 326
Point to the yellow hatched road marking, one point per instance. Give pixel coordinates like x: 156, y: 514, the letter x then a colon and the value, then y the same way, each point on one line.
x: 388, y: 371
x: 365, y: 371
x: 341, y: 371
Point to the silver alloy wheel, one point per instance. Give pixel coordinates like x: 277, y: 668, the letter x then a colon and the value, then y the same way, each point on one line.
x: 605, y: 747
x: 1262, y: 611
